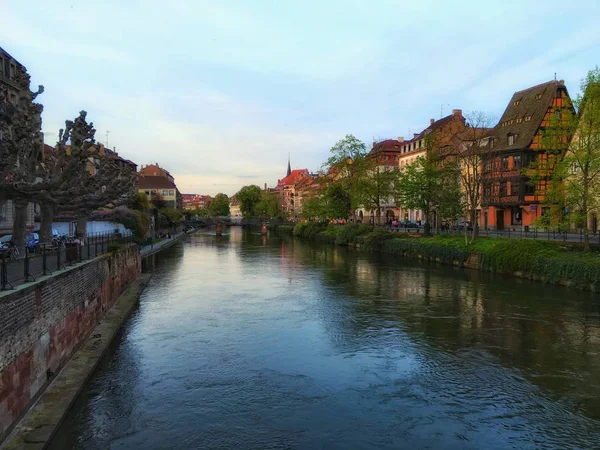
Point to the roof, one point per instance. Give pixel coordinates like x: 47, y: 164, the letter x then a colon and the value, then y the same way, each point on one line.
x: 292, y: 177
x: 155, y: 182
x: 154, y: 167
x: 524, y: 115
x: 11, y: 57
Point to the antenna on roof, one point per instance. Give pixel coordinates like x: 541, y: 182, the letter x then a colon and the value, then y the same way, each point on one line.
x: 554, y: 76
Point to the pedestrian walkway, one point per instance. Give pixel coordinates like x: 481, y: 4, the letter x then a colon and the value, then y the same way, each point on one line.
x: 148, y: 250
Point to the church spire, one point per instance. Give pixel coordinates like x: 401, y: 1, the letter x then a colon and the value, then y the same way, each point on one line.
x: 289, y: 172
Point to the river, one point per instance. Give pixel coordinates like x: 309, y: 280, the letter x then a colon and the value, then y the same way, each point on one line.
x: 249, y: 342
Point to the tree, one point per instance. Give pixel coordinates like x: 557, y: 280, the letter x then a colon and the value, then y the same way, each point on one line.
x: 425, y: 185
x: 171, y: 217
x: 465, y: 159
x: 570, y: 165
x: 337, y: 202
x: 268, y: 205
x: 219, y: 206
x: 140, y: 202
x: 375, y: 183
x: 346, y: 162
x: 21, y: 150
x: 314, y: 207
x: 249, y: 197
x: 158, y: 201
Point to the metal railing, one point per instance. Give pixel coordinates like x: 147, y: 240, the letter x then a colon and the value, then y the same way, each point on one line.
x: 23, y: 264
x: 532, y: 233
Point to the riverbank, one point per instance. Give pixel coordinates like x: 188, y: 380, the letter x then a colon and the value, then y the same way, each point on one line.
x: 35, y: 430
x: 148, y: 250
x: 553, y: 263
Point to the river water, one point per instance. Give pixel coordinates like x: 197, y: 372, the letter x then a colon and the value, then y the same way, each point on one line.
x: 248, y: 342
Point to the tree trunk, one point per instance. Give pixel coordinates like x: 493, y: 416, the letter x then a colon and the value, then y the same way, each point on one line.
x: 46, y: 223
x: 427, y: 227
x: 19, y: 222
x: 82, y: 226
x: 473, y: 217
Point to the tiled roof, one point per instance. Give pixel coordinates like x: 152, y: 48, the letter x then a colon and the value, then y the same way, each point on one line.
x: 155, y: 182
x: 524, y: 115
x: 291, y: 178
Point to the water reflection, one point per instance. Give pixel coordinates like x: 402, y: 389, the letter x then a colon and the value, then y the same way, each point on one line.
x: 248, y: 341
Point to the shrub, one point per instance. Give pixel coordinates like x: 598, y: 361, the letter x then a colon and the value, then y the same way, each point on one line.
x: 309, y: 229
x: 514, y: 255
x: 372, y: 241
x: 284, y: 229
x: 347, y: 234
x: 114, y: 246
x: 426, y: 248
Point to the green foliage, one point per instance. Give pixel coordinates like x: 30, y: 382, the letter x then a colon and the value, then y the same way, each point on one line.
x: 170, y: 216
x: 347, y: 234
x: 309, y: 229
x: 249, y: 197
x: 137, y: 221
x: 426, y: 248
x: 428, y: 186
x: 376, y: 184
x: 373, y: 241
x: 158, y: 200
x: 346, y: 150
x: 219, y: 206
x: 140, y: 202
x: 268, y: 205
x: 285, y: 229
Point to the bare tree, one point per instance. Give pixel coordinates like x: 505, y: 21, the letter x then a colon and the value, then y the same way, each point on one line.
x: 466, y: 150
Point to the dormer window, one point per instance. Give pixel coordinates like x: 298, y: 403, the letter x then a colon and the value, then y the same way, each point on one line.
x: 527, y: 118
x: 538, y: 96
x: 516, y: 102
x: 519, y: 120
x: 511, y: 139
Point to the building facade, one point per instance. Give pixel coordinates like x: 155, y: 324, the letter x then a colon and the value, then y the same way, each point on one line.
x: 154, y: 179
x: 509, y: 200
x: 438, y: 136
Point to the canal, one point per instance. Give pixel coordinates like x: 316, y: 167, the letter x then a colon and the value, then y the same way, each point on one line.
x: 248, y: 342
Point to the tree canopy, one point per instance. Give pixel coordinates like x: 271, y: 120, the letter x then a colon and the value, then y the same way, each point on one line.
x: 219, y: 206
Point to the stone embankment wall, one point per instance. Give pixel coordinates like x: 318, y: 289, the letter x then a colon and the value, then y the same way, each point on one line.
x: 42, y: 324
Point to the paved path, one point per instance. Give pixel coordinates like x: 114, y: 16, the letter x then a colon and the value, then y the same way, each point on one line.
x: 148, y: 250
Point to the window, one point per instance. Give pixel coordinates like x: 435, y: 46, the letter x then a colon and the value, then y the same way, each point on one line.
x: 519, y: 119
x: 13, y: 99
x: 516, y: 162
x: 165, y: 192
x: 531, y: 158
x: 503, y: 189
x: 545, y: 210
x: 557, y: 114
x: 386, y: 157
x: 527, y: 118
x: 529, y: 188
x: 12, y: 70
x: 516, y: 102
x: 487, y: 167
x: 171, y: 192
x: 492, y: 142
x: 395, y: 157
x: 511, y: 139
x: 487, y: 191
x: 538, y: 96
x: 515, y: 188
x: 505, y: 163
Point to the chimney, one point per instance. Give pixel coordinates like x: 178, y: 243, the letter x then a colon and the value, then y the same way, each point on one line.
x: 400, y: 139
x: 431, y: 121
x: 561, y: 82
x: 457, y: 112
x: 265, y: 186
x: 415, y: 135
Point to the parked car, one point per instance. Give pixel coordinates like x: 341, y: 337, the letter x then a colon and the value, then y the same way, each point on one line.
x: 460, y: 226
x: 32, y: 240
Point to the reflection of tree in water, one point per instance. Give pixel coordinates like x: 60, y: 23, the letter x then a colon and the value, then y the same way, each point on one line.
x: 550, y: 334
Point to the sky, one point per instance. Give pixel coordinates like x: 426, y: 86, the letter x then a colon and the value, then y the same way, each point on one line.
x: 221, y: 92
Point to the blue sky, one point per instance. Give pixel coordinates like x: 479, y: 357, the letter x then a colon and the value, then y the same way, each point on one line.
x: 220, y: 92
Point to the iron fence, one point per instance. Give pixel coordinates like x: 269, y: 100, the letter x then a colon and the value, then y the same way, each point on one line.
x: 532, y: 233
x: 23, y: 264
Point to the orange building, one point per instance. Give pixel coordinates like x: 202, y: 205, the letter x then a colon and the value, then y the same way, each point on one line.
x: 508, y: 199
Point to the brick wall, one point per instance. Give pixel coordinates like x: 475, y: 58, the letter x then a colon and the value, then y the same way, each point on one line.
x: 42, y: 324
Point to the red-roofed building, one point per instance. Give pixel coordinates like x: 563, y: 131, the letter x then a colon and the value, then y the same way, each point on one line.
x: 288, y: 192
x: 196, y: 201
